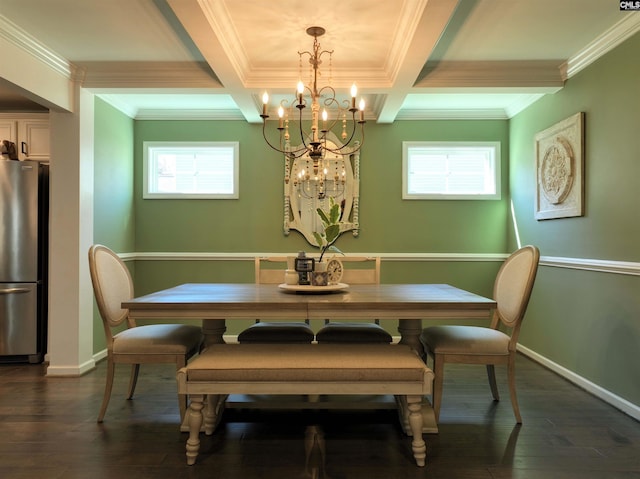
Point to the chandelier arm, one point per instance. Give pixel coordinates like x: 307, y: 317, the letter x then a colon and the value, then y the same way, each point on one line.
x: 332, y: 98
x: 297, y: 153
x: 346, y: 143
x: 302, y: 135
x: 361, y: 137
x: 264, y: 135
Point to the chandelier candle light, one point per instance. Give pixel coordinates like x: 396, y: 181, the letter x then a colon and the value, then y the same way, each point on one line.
x: 314, y: 143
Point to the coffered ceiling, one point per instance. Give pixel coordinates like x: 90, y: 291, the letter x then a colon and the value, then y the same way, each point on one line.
x: 410, y: 59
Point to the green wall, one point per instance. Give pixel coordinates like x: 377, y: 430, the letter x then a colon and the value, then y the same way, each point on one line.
x: 253, y: 224
x: 587, y: 321
x: 113, y: 189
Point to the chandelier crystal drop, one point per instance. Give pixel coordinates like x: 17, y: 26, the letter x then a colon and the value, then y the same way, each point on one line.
x: 313, y: 142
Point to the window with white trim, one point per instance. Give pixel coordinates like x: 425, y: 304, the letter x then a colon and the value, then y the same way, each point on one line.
x: 201, y: 170
x: 451, y: 170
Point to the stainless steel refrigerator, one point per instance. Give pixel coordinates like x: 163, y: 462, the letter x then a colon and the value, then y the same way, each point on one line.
x: 24, y: 226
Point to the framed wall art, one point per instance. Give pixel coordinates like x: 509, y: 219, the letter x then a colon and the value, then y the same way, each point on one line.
x: 560, y: 169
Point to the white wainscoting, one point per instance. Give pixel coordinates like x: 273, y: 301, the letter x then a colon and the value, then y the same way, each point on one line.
x: 596, y: 265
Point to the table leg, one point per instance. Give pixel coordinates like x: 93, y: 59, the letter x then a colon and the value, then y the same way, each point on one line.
x: 213, y: 329
x: 410, y: 331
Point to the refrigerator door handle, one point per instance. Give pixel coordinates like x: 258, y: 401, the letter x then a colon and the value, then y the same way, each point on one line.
x: 14, y: 290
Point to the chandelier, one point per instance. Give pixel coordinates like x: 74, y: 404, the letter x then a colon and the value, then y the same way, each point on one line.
x: 314, y: 142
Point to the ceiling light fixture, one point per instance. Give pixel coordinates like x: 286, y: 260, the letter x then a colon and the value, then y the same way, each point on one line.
x: 314, y: 142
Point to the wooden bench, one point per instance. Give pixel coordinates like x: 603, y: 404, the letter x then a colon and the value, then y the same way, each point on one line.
x: 309, y: 369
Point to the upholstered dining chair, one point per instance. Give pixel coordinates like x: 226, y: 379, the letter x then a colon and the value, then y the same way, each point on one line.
x: 270, y: 270
x: 155, y: 343
x: 488, y: 345
x: 357, y: 270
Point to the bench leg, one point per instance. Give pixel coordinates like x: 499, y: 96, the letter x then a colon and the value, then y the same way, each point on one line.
x: 195, y: 422
x: 414, y: 404
x: 214, y: 407
x: 429, y: 425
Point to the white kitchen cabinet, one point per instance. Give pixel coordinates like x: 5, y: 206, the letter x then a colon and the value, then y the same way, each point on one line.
x: 33, y: 140
x: 31, y: 136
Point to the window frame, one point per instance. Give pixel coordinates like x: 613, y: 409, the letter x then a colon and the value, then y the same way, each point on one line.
x: 148, y: 156
x: 496, y: 161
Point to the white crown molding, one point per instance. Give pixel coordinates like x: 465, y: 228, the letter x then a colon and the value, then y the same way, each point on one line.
x: 279, y: 78
x: 606, y: 42
x: 188, y: 114
x: 148, y: 75
x: 408, y: 22
x: 517, y: 106
x: 116, y: 102
x: 219, y: 18
x: 21, y: 39
x: 470, y: 114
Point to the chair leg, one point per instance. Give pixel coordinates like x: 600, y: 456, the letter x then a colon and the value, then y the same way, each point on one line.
x: 511, y: 373
x: 491, y: 374
x: 438, y: 372
x: 183, y: 399
x: 135, y: 369
x: 107, y: 388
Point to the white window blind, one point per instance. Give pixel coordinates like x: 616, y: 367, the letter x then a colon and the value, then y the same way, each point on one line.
x: 451, y: 170
x: 191, y: 170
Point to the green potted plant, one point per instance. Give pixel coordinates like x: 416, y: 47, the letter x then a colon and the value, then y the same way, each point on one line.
x: 331, y: 229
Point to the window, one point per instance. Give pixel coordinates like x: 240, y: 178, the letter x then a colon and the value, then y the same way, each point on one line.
x: 190, y: 170
x: 451, y: 170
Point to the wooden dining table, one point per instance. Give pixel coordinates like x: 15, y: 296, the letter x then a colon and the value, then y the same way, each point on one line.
x: 216, y: 303
x: 409, y: 304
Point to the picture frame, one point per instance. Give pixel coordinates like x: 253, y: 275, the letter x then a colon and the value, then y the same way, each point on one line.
x: 559, y: 152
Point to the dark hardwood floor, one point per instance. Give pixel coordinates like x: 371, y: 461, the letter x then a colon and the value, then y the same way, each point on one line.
x: 49, y: 430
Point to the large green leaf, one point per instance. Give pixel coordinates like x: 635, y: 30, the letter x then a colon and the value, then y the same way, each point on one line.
x: 332, y: 232
x: 323, y: 217
x: 334, y: 213
x: 318, y: 238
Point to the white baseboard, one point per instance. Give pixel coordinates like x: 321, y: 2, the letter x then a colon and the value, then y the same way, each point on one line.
x: 607, y: 396
x: 99, y: 356
x: 71, y: 371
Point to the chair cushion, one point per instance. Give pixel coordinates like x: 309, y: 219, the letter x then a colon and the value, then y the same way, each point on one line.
x: 276, y: 332
x: 353, y: 333
x: 456, y: 339
x: 158, y: 338
x: 307, y: 362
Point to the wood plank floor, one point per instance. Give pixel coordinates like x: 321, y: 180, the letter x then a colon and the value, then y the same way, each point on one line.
x: 48, y: 430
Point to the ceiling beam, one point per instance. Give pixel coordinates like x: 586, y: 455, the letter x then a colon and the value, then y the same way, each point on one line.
x: 200, y: 21
x: 489, y: 74
x: 431, y: 25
